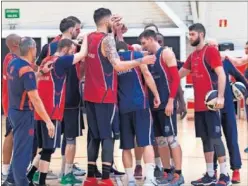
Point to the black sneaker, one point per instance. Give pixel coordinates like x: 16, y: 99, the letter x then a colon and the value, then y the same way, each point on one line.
x: 224, y: 180
x: 98, y: 174
x: 205, y: 180
x: 115, y: 172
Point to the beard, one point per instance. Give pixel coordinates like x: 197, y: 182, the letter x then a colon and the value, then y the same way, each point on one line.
x: 196, y: 42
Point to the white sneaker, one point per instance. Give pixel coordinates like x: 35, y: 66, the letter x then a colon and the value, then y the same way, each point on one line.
x: 51, y: 175
x: 78, y: 171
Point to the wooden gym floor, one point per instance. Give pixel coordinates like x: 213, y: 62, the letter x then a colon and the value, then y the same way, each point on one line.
x: 193, y: 160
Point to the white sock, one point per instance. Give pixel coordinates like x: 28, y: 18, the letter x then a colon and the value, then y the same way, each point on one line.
x: 68, y: 168
x: 129, y: 172
x: 5, y: 169
x: 149, y: 171
x: 172, y: 162
x: 223, y: 169
x: 63, y: 165
x: 138, y: 162
x: 210, y: 169
x: 158, y: 162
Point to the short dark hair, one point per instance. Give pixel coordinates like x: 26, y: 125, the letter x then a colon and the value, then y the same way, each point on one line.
x: 247, y: 43
x: 25, y: 44
x: 198, y: 27
x: 147, y: 34
x: 101, y: 13
x: 121, y: 45
x: 73, y: 18
x: 159, y: 34
x: 65, y: 24
x: 64, y: 43
x: 151, y: 25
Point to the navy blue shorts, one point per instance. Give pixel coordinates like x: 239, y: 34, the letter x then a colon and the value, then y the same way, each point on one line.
x: 164, y: 125
x: 8, y: 127
x: 208, y: 124
x: 44, y: 141
x: 102, y: 119
x: 72, y: 123
x: 136, y: 124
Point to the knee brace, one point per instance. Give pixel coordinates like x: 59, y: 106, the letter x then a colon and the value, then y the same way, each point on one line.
x: 107, y: 150
x: 71, y: 141
x: 207, y: 145
x: 162, y: 142
x: 93, y: 149
x: 172, y: 141
x: 218, y: 147
x: 46, y: 154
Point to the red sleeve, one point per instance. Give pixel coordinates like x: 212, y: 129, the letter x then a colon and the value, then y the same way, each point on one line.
x: 5, y: 85
x: 175, y: 81
x: 130, y: 47
x: 187, y: 63
x: 212, y: 57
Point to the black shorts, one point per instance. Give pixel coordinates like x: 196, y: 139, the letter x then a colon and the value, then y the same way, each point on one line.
x: 164, y: 125
x: 44, y: 141
x: 208, y: 124
x: 102, y: 119
x: 72, y: 123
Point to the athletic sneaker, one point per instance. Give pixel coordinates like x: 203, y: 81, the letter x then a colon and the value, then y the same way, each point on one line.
x: 158, y: 173
x: 77, y: 171
x: 51, y: 175
x: 90, y: 182
x: 70, y: 179
x: 98, y: 174
x: 4, y: 176
x: 115, y: 172
x: 150, y: 182
x: 224, y: 180
x: 132, y: 183
x: 236, y: 177
x: 177, y: 180
x: 106, y: 182
x: 138, y: 172
x: 7, y: 183
x: 36, y: 177
x: 205, y: 180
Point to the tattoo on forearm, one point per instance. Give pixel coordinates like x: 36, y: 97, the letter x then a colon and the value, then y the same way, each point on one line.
x: 110, y: 49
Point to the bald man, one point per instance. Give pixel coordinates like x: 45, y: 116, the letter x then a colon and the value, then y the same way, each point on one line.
x: 12, y: 42
x: 228, y: 118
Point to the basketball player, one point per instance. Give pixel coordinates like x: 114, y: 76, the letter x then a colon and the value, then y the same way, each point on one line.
x: 241, y: 61
x: 23, y: 96
x: 70, y: 29
x: 100, y: 92
x: 207, y: 69
x: 12, y: 42
x: 228, y: 117
x: 166, y: 77
x: 135, y: 115
x: 52, y: 91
